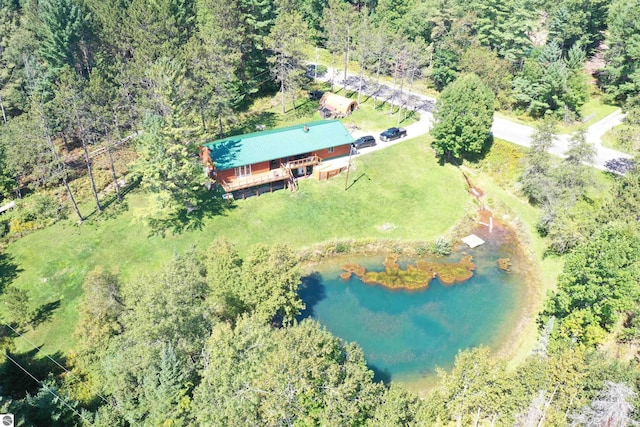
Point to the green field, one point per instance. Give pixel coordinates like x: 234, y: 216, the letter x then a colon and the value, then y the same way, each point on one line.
x: 397, y: 193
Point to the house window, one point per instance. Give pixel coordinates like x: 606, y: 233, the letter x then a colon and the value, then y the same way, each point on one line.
x: 243, y: 170
x: 330, y: 150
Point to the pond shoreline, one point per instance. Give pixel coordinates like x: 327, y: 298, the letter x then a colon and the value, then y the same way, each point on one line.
x: 517, y: 340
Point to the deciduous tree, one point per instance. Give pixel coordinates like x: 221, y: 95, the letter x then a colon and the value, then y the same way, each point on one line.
x: 463, y: 118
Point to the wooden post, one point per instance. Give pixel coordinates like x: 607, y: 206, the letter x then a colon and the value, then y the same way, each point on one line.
x: 346, y: 182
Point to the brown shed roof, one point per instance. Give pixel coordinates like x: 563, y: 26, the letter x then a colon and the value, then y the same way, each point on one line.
x: 337, y: 103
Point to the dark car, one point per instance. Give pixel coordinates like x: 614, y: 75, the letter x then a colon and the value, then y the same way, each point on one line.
x: 315, y: 95
x: 392, y: 133
x: 364, y: 142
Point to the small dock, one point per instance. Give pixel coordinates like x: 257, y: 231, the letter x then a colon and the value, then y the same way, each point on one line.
x: 473, y: 241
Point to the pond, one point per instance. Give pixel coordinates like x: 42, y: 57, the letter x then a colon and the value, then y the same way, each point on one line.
x: 405, y: 334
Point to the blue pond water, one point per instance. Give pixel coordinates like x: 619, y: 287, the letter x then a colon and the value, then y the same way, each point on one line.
x: 406, y: 334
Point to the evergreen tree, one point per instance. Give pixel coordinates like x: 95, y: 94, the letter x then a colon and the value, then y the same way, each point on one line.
x: 64, y: 32
x: 622, y: 78
x: 288, y: 35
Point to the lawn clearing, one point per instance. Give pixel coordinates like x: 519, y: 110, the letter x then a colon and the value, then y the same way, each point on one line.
x: 593, y: 111
x: 402, y: 185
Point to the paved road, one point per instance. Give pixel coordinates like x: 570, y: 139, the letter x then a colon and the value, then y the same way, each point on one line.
x: 502, y: 128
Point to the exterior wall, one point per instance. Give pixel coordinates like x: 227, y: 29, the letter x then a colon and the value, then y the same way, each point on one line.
x: 340, y: 150
x: 257, y: 168
x: 230, y: 174
x: 260, y: 167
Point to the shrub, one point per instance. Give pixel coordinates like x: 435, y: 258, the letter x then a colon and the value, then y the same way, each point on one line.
x: 441, y: 247
x: 34, y: 212
x: 342, y: 247
x: 422, y: 250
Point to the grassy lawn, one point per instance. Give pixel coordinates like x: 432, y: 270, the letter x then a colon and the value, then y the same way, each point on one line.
x: 497, y: 176
x: 401, y: 187
x: 610, y: 140
x: 594, y: 110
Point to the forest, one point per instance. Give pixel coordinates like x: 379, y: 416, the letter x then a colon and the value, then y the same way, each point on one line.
x: 119, y: 94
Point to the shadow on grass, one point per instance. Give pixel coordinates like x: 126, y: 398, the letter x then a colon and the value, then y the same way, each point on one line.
x: 470, y: 157
x: 255, y: 122
x: 8, y: 270
x: 210, y: 204
x: 306, y: 109
x: 111, y: 206
x: 16, y: 383
x: 44, y: 313
x: 362, y: 175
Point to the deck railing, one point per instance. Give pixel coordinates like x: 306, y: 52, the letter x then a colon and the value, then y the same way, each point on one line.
x: 274, y: 175
x: 307, y: 161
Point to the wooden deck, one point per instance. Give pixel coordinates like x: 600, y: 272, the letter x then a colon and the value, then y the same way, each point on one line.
x: 307, y: 161
x: 283, y: 173
x: 254, y: 180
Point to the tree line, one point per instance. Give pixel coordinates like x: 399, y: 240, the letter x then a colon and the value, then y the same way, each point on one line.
x: 220, y: 344
x: 213, y: 340
x: 76, y: 73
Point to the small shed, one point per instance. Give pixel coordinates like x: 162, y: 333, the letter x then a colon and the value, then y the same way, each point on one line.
x: 338, y: 105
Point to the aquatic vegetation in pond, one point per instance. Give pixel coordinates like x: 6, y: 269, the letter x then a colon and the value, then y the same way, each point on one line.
x: 504, y: 264
x: 415, y: 276
x: 406, y: 334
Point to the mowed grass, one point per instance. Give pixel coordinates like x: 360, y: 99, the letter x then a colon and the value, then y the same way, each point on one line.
x: 397, y: 193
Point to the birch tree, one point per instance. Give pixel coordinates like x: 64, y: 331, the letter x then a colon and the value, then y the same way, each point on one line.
x: 612, y: 407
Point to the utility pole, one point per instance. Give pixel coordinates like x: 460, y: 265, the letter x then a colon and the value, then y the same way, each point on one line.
x: 346, y: 181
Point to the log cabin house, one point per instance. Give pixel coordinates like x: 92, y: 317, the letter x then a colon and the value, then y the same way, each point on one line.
x: 274, y: 157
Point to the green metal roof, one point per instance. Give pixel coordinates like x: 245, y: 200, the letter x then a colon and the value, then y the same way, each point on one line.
x: 279, y: 143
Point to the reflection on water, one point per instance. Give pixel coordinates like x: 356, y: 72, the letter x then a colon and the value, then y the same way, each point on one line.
x: 406, y: 334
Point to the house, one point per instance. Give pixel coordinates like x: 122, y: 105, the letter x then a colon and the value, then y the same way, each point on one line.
x: 337, y: 105
x: 274, y: 157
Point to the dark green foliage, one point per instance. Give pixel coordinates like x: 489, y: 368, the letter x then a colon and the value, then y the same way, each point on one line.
x: 444, y: 68
x: 100, y: 315
x: 463, y: 114
x: 16, y: 302
x: 600, y: 281
x: 288, y: 34
x: 503, y: 26
x: 622, y: 73
x: 63, y: 31
x: 578, y: 23
x: 297, y: 375
x: 169, y: 168
x: 212, y: 339
x: 492, y: 70
x: 552, y: 83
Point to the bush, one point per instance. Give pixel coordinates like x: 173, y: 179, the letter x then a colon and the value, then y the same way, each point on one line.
x: 422, y: 250
x: 34, y: 212
x: 342, y: 247
x: 441, y: 247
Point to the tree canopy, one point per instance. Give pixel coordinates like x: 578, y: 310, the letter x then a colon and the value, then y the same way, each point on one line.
x: 463, y: 118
